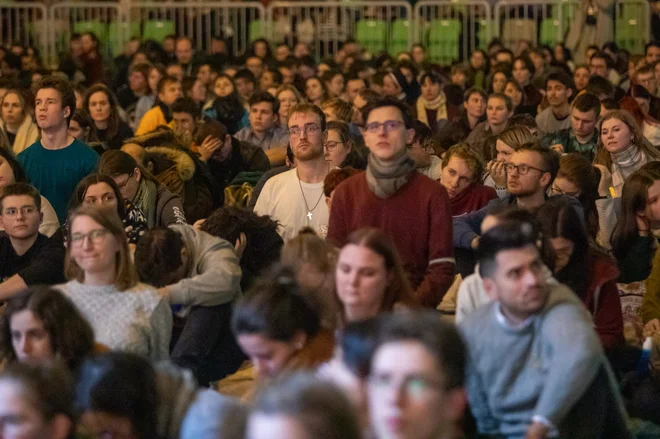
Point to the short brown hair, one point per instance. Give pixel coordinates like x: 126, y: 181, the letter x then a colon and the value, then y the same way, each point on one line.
x: 471, y: 159
x: 126, y: 275
x: 210, y: 127
x: 306, y: 108
x: 63, y: 87
x: 18, y: 189
x: 343, y: 110
x: 335, y: 177
x: 516, y: 136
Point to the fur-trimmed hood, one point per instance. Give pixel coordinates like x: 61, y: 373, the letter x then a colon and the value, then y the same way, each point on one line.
x: 164, y: 157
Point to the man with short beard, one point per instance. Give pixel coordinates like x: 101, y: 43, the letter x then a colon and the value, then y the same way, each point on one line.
x: 295, y: 198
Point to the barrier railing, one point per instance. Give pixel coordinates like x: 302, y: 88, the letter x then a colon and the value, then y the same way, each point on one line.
x: 452, y: 30
x: 25, y: 22
x: 538, y: 21
x: 378, y: 26
x: 238, y: 23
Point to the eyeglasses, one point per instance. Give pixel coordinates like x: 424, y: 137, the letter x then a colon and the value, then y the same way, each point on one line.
x: 415, y: 387
x: 557, y: 191
x: 11, y: 212
x: 389, y: 125
x: 123, y: 185
x: 309, y: 129
x: 331, y: 146
x: 522, y: 169
x: 95, y: 236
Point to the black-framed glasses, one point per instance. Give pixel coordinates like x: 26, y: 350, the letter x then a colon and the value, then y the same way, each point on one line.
x: 522, y: 168
x: 310, y: 128
x: 557, y: 191
x: 123, y: 185
x: 331, y: 146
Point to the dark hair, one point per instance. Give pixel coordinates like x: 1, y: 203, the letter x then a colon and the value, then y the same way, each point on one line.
x: 158, y: 253
x: 63, y: 87
x: 475, y: 90
x: 48, y: 388
x: 600, y: 86
x: 322, y: 85
x: 368, y: 95
x: 439, y: 338
x: 71, y: 336
x: 337, y: 176
x: 319, y: 407
x: 276, y: 308
x: 358, y: 340
x: 120, y: 384
x: 210, y: 127
x: 559, y: 219
x: 113, y: 119
x: 550, y: 158
x: 503, y: 97
x: 523, y: 120
x: 575, y: 168
x: 247, y: 75
x: 164, y: 81
x: 604, y: 56
x: 264, y: 96
x: 527, y: 62
x: 586, y: 102
x: 86, y: 123
x: 634, y: 198
x: 610, y: 104
x: 116, y: 162
x: 17, y: 189
x: 186, y: 105
x: 144, y: 69
x: 80, y: 191
x: 17, y: 169
x: 561, y: 77
x: 389, y: 102
x: 509, y: 235
x: 652, y: 43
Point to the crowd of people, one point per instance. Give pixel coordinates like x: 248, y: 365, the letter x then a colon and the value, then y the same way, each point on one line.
x: 203, y: 245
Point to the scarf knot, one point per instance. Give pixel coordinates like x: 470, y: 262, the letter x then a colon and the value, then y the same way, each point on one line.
x: 385, y: 178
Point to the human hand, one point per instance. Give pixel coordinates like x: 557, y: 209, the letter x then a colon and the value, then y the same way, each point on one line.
x: 208, y: 147
x: 605, y: 181
x: 198, y: 223
x: 643, y: 225
x: 240, y: 245
x: 651, y: 327
x: 537, y: 431
x: 475, y: 243
x: 497, y: 170
x: 164, y: 293
x: 558, y: 148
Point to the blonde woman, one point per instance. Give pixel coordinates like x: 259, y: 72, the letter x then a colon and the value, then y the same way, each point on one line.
x: 16, y: 122
x: 288, y: 96
x: 103, y: 284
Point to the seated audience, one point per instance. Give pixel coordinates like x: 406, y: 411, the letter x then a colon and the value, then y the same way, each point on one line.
x: 227, y: 107
x: 42, y: 325
x: 264, y: 130
x: 288, y: 96
x: 123, y: 395
x: 169, y: 90
x: 37, y: 402
x: 333, y: 179
x: 26, y: 256
x: 337, y: 110
x: 56, y: 163
x: 559, y: 90
x: 416, y: 378
x: 137, y: 186
x: 431, y: 107
x: 103, y: 284
x: 101, y: 104
x: 278, y: 326
x: 12, y: 172
x: 585, y: 268
x: 509, y: 141
x: 16, y: 121
x: 499, y: 110
x: 201, y: 274
x: 300, y: 406
x: 474, y: 112
x: 462, y: 169
x: 340, y: 148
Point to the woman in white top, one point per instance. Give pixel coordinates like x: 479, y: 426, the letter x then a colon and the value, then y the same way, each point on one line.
x: 16, y: 122
x: 622, y: 148
x: 126, y: 315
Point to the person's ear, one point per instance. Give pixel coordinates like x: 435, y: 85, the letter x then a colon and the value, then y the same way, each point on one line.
x: 569, y: 93
x: 184, y: 255
x: 545, y: 179
x: 490, y: 287
x: 66, y: 112
x: 410, y: 136
x: 41, y: 218
x: 138, y: 174
x: 456, y: 402
x: 299, y: 340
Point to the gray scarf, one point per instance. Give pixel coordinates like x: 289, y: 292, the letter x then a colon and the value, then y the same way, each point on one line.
x: 385, y: 178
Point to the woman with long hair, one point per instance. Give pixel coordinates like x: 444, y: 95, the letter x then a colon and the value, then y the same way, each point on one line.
x: 316, y: 91
x: 16, y: 121
x: 585, y: 268
x: 288, y: 96
x: 334, y: 83
x: 103, y: 284
x: 622, y: 148
x: 370, y: 276
x: 101, y: 104
x: 639, y: 105
x: 227, y: 106
x: 340, y: 148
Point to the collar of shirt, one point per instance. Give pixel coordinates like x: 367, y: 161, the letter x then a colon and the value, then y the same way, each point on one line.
x: 502, y: 320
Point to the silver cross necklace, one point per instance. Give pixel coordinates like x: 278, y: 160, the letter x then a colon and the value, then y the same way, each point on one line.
x: 309, y: 211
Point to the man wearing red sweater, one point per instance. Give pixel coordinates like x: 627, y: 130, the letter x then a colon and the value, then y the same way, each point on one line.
x: 413, y: 209
x: 461, y: 173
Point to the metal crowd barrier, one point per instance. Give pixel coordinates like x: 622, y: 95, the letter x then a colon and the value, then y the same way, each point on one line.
x: 450, y: 29
x: 378, y: 26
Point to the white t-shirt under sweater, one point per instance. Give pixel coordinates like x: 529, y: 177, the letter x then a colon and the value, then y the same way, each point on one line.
x: 282, y: 199
x: 137, y: 320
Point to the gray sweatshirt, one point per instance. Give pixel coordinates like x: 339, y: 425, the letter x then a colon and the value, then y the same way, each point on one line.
x: 213, y: 276
x: 538, y: 369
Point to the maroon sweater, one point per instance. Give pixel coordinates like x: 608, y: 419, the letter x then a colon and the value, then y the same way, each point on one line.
x: 474, y: 197
x: 417, y: 218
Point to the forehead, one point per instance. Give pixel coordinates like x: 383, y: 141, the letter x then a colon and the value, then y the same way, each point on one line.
x: 263, y: 106
x: 512, y: 258
x: 598, y: 61
x: 406, y: 357
x: 555, y: 83
x: 99, y: 95
x: 532, y: 158
x: 48, y: 93
x: 98, y: 188
x: 17, y: 200
x: 613, y: 122
x: 460, y: 165
x: 496, y: 101
x: 385, y: 113
x: 300, y: 118
x: 589, y: 115
x: 11, y: 97
x: 181, y: 115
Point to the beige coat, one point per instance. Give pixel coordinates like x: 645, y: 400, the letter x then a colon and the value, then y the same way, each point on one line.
x: 27, y: 134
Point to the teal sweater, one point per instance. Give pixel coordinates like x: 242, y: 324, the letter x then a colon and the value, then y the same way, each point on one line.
x: 539, y: 369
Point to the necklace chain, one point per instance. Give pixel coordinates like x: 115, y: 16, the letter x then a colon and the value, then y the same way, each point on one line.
x: 309, y: 211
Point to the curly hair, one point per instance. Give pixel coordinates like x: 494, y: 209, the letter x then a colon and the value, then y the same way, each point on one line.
x: 335, y: 177
x: 471, y: 159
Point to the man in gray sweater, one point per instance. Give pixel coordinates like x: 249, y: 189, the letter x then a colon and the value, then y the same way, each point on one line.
x: 533, y: 351
x: 200, y: 275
